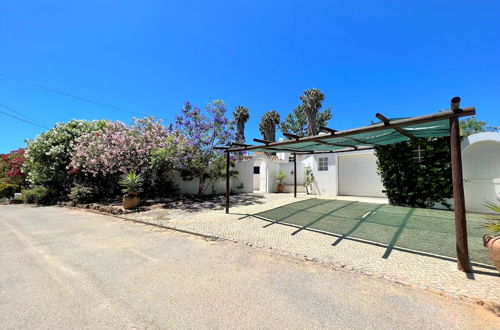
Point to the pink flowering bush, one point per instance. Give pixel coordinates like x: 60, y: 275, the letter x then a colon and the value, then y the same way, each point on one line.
x: 118, y: 149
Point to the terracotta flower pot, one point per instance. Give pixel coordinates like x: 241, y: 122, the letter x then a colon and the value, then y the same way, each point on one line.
x: 281, y: 188
x: 130, y: 201
x: 493, y: 244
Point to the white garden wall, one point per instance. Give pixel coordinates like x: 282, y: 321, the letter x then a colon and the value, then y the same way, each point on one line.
x: 481, y: 170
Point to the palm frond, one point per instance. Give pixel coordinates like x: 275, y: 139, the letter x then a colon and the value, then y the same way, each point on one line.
x: 492, y: 225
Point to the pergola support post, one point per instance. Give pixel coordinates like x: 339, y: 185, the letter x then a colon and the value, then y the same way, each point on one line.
x: 294, y: 175
x: 458, y: 192
x: 227, y: 181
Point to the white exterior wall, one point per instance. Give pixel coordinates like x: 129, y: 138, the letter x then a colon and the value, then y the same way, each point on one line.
x: 481, y: 170
x: 191, y: 187
x: 245, y: 176
x: 325, y: 182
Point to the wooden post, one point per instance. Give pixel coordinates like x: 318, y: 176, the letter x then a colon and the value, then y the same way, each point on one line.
x: 227, y: 180
x: 294, y: 175
x: 458, y: 191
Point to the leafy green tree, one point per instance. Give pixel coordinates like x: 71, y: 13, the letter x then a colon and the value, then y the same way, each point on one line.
x: 267, y: 125
x: 241, y: 116
x: 471, y: 125
x: 296, y: 122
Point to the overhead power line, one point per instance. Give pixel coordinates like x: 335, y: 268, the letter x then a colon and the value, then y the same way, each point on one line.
x: 20, y: 119
x: 15, y: 111
x: 72, y: 95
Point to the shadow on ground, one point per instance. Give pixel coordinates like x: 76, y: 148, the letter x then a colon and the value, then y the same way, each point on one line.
x: 413, y: 230
x: 193, y: 203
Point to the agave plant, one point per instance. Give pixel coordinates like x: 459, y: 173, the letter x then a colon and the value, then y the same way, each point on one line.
x: 131, y: 183
x: 494, y: 224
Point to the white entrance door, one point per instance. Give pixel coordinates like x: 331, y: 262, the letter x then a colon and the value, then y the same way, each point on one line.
x: 357, y: 176
x: 481, y: 165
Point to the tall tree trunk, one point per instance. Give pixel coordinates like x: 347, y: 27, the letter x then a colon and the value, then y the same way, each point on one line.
x: 241, y: 131
x: 270, y: 133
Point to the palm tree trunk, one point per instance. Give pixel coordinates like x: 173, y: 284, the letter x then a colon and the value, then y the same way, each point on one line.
x: 311, y: 122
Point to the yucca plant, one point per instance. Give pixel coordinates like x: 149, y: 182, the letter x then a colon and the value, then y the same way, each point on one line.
x: 131, y: 183
x: 494, y: 220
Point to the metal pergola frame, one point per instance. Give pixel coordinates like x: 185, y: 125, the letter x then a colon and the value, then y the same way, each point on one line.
x: 455, y: 112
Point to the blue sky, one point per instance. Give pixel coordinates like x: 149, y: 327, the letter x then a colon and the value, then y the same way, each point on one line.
x: 399, y: 58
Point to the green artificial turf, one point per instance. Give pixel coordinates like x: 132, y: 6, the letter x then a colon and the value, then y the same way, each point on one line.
x: 424, y: 230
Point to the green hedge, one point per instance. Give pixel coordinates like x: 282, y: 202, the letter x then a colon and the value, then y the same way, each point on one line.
x: 7, y: 190
x: 412, y: 183
x: 37, y: 195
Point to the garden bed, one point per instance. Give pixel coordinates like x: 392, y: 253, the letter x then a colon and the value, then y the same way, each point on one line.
x: 186, y: 203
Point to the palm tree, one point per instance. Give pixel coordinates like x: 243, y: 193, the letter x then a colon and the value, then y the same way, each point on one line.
x: 312, y: 99
x: 241, y: 116
x: 267, y: 125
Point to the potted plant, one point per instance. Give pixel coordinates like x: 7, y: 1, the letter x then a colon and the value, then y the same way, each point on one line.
x: 280, y: 178
x: 492, y: 241
x: 308, y: 178
x: 132, y: 184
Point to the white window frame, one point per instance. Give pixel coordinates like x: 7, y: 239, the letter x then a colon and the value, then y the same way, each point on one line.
x: 322, y: 167
x: 418, y: 154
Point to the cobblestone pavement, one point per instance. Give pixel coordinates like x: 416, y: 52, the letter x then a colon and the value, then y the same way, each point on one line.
x: 438, y: 275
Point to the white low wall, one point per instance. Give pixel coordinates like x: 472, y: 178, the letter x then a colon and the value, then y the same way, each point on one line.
x: 245, y: 176
x: 191, y: 187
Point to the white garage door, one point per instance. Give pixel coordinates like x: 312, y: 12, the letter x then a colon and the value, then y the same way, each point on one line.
x: 358, y: 176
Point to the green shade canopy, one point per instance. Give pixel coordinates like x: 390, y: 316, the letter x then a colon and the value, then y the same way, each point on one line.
x: 387, y: 131
x: 369, y: 139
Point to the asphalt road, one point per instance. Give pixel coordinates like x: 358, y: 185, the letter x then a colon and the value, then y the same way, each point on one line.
x: 62, y: 268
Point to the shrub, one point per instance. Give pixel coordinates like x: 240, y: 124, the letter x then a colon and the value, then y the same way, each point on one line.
x: 10, y: 167
x: 119, y: 149
x: 416, y: 181
x: 48, y: 156
x: 82, y: 194
x: 7, y: 190
x: 17, y: 200
x: 37, y: 195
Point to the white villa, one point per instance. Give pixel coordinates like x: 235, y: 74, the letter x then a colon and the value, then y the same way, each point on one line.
x: 355, y: 173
